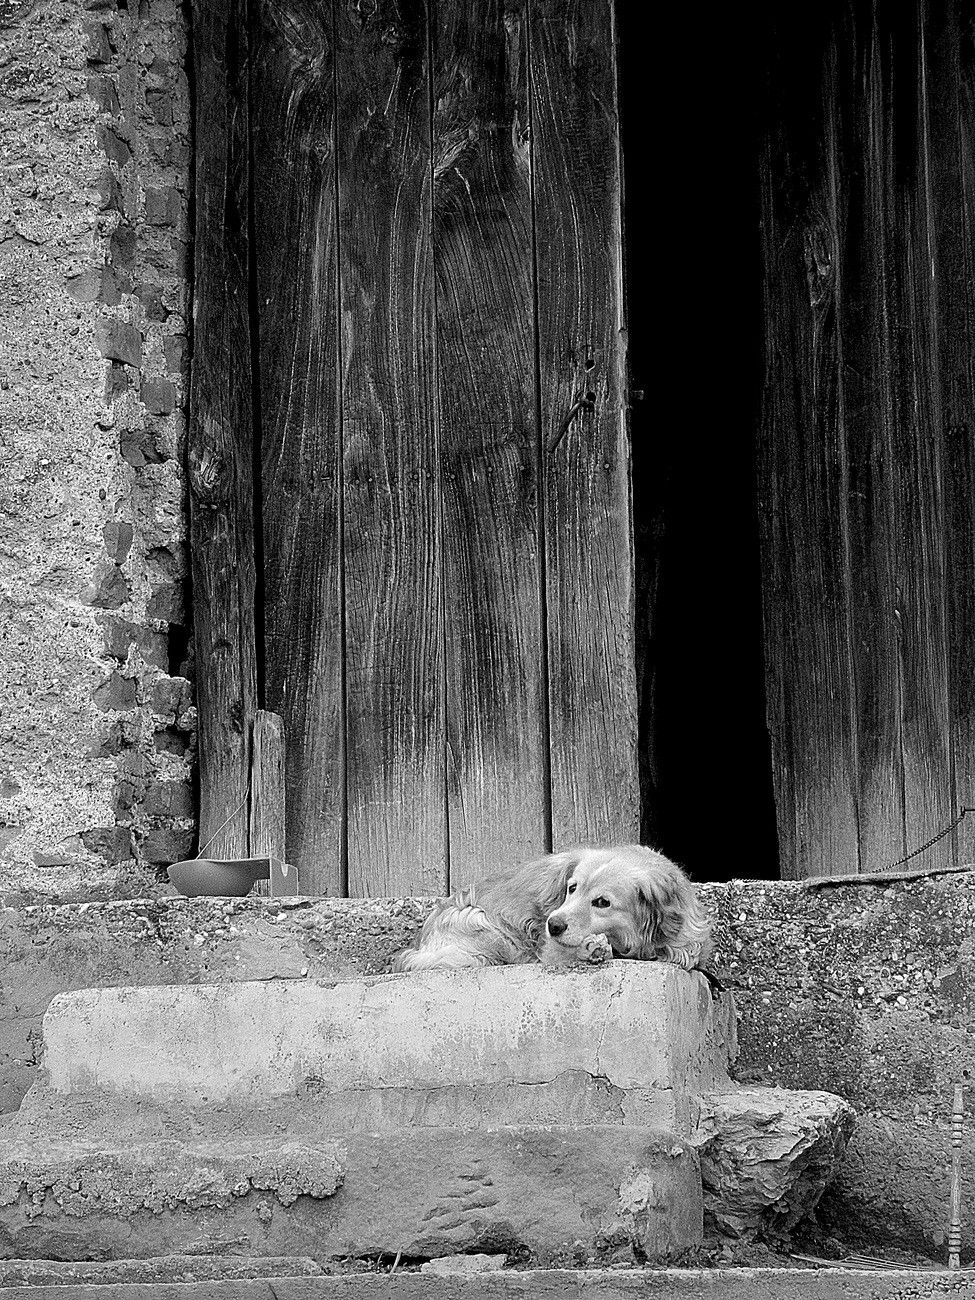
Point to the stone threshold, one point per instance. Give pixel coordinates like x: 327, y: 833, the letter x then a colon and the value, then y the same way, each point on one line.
x: 531, y: 1284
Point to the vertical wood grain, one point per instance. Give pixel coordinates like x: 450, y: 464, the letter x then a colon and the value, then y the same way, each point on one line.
x: 430, y: 310
x: 886, y: 531
x: 392, y: 543
x: 950, y: 50
x: 892, y: 434
x: 482, y: 231
x: 268, y: 819
x: 582, y: 399
x: 929, y: 795
x: 220, y: 452
x: 803, y: 487
x: 296, y: 293
x: 865, y: 264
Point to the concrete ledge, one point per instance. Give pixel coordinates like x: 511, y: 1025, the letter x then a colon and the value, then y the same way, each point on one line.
x: 574, y: 1097
x: 491, y: 1035
x: 553, y: 1284
x: 151, y: 1272
x: 49, y: 949
x: 424, y: 1192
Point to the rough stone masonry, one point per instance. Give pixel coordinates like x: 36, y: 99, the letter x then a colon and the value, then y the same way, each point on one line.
x: 96, y: 717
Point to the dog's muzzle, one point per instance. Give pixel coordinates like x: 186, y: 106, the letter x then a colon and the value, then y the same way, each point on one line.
x: 555, y: 927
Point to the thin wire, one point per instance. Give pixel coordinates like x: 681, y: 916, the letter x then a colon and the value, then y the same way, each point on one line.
x: 230, y: 818
x: 285, y: 866
x: 962, y: 814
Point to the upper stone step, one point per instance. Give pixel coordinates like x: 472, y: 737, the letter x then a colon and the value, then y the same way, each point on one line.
x: 627, y: 1043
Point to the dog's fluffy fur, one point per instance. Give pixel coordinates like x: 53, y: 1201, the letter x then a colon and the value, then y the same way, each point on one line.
x: 581, y: 905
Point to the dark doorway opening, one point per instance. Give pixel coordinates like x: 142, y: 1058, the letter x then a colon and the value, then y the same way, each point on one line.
x: 691, y: 93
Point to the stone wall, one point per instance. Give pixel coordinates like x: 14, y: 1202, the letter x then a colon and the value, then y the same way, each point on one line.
x: 96, y: 719
x: 866, y: 990
x: 863, y: 990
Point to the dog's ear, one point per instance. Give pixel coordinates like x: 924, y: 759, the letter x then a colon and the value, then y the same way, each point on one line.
x: 671, y: 920
x: 554, y: 874
x: 647, y: 920
x: 661, y: 905
x: 530, y: 894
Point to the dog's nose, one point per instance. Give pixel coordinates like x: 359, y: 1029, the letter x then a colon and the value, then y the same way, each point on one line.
x: 555, y: 926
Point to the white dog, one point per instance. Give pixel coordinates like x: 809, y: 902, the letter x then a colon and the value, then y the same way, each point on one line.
x: 584, y: 905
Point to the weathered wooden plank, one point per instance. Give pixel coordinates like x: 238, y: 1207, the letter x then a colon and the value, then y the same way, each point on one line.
x: 482, y: 226
x: 870, y: 415
x: 869, y: 358
x: 582, y: 364
x: 894, y: 434
x: 296, y: 289
x: 920, y: 561
x: 394, y: 686
x: 866, y: 361
x: 803, y: 487
x: 267, y: 817
x: 890, y: 132
x: 831, y: 639
x: 950, y: 84
x: 220, y: 451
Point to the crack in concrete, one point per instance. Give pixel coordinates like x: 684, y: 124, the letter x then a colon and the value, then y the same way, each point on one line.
x: 614, y: 994
x: 598, y: 1077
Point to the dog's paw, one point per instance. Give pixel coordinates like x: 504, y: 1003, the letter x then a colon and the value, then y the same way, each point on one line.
x: 595, y: 949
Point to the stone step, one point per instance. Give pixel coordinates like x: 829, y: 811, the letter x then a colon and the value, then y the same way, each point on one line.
x: 542, y: 1284
x: 544, y: 1191
x: 628, y: 1043
x: 297, y: 1117
x: 432, y: 1113
x: 161, y: 1269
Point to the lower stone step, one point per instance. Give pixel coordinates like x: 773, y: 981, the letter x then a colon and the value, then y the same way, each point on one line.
x: 419, y: 1192
x: 540, y: 1284
x: 511, y: 1109
x: 158, y: 1271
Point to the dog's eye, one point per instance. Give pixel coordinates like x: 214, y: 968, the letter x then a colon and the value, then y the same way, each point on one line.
x: 600, y: 902
x: 571, y: 889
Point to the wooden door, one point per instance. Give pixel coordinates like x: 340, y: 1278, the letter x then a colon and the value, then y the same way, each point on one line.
x: 867, y: 444
x: 434, y: 346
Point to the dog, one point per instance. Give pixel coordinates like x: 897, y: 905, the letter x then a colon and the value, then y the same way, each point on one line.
x: 583, y: 905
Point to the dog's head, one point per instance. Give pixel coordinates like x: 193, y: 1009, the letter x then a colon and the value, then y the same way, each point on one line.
x: 640, y: 900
